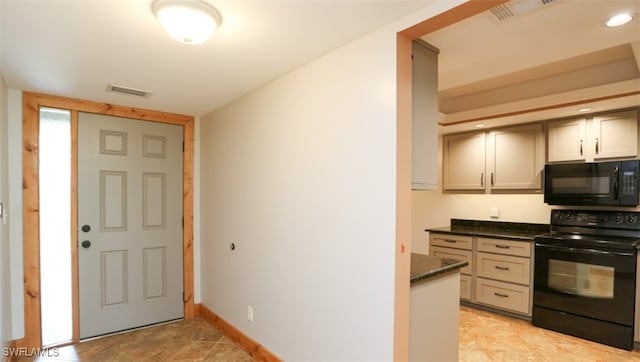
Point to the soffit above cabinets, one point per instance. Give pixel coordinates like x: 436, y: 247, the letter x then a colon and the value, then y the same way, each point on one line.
x: 538, y: 64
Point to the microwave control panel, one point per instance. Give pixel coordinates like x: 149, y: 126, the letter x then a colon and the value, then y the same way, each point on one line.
x: 628, y: 182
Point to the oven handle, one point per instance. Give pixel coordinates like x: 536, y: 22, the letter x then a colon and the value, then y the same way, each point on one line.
x: 584, y: 251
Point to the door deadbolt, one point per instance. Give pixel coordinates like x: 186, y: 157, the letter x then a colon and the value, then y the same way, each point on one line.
x: 86, y: 228
x: 86, y: 244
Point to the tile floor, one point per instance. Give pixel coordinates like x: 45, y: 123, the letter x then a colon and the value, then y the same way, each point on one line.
x: 186, y: 340
x: 509, y: 340
x: 486, y: 336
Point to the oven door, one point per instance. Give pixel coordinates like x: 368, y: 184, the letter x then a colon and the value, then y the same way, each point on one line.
x: 592, y: 283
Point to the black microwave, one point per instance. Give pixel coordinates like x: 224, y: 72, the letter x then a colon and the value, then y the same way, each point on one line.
x: 613, y: 183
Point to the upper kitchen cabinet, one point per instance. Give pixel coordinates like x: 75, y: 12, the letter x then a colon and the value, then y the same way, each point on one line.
x: 424, y: 117
x: 504, y: 159
x: 566, y: 140
x: 515, y: 158
x: 464, y: 161
x: 615, y: 135
x: 594, y: 138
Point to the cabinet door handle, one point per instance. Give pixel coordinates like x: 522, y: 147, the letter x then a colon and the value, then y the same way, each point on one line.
x: 492, y: 179
x: 450, y: 241
x: 501, y: 267
x: 597, y: 145
x: 500, y: 295
x: 502, y: 246
x: 481, y: 178
x: 580, y: 147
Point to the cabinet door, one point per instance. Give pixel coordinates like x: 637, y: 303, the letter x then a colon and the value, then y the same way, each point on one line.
x: 566, y: 141
x: 616, y: 135
x: 516, y: 158
x: 464, y: 162
x: 424, y: 118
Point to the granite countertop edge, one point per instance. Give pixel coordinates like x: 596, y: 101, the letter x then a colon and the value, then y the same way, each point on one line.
x: 424, y: 267
x: 506, y: 230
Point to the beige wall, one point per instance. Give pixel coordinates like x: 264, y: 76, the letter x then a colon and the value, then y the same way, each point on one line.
x: 433, y: 209
x: 300, y: 175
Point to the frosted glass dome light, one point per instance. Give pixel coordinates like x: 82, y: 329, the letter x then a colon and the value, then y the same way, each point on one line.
x: 187, y: 21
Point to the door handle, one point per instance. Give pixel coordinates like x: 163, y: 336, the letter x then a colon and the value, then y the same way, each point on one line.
x: 597, y: 146
x: 86, y: 228
x: 86, y: 244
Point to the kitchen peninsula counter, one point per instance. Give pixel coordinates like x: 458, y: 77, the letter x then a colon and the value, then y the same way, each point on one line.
x: 424, y: 267
x: 434, y: 313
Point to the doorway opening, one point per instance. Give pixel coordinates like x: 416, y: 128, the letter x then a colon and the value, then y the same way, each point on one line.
x: 55, y: 226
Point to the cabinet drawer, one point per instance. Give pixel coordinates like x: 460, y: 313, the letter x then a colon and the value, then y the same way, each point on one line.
x: 503, y: 267
x: 502, y: 246
x: 451, y: 241
x: 503, y: 295
x: 456, y: 254
x: 465, y: 287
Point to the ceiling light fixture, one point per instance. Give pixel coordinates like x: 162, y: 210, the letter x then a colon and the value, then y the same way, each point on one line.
x: 479, y: 125
x: 187, y: 21
x: 585, y: 109
x: 619, y: 19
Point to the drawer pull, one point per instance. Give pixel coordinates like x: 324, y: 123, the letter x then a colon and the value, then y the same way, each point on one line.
x: 450, y: 241
x: 501, y: 267
x: 502, y: 246
x: 500, y: 295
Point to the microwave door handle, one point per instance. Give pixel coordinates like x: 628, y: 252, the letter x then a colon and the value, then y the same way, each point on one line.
x: 616, y: 184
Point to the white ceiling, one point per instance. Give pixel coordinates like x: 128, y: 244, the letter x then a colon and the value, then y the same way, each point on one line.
x: 75, y: 48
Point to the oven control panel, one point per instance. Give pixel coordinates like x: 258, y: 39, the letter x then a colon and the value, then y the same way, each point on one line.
x: 628, y: 220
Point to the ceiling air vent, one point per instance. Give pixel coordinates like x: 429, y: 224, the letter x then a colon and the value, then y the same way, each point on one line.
x: 514, y: 8
x: 128, y: 90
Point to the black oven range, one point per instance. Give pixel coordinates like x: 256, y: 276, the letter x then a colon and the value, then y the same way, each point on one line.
x: 585, y: 275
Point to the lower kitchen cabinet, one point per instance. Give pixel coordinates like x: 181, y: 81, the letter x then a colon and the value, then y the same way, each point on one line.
x: 509, y: 296
x: 465, y: 287
x: 499, y: 274
x: 456, y: 247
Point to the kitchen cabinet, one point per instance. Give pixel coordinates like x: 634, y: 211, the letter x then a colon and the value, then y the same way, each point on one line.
x: 594, y: 138
x: 615, y: 135
x: 464, y: 161
x: 516, y: 158
x: 424, y: 113
x: 503, y: 159
x: 499, y: 273
x: 566, y: 140
x: 456, y: 247
x: 503, y: 269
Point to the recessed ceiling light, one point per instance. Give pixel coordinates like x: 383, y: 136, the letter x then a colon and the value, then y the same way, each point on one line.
x: 619, y: 19
x: 480, y: 125
x: 585, y: 109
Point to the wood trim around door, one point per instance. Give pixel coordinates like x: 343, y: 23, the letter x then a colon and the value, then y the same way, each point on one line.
x: 31, y: 103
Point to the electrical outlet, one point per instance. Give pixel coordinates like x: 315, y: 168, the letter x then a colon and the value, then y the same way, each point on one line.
x: 250, y: 313
x: 494, y: 213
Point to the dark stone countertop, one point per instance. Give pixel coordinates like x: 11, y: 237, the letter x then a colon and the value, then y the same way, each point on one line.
x: 424, y: 267
x: 497, y: 229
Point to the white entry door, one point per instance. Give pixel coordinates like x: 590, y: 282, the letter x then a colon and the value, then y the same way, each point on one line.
x: 130, y: 223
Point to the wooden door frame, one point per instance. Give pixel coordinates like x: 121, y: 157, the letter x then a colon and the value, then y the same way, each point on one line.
x: 31, y: 103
